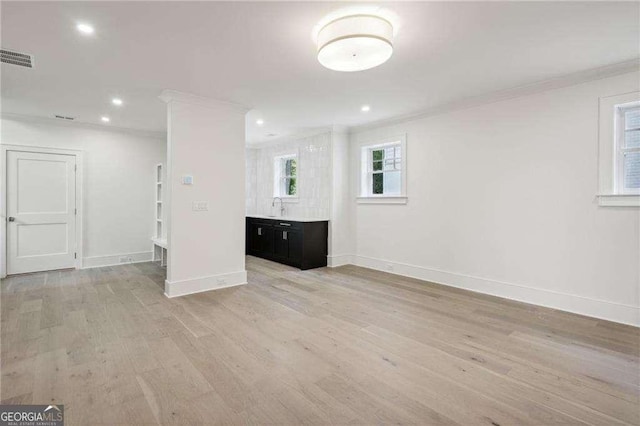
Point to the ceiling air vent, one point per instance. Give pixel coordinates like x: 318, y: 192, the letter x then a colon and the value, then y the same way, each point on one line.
x: 16, y: 58
x: 62, y: 117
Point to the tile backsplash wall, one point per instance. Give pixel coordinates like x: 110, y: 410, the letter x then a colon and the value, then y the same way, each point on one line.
x: 250, y: 183
x: 314, y: 177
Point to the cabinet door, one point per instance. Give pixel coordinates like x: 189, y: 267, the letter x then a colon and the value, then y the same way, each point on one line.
x: 266, y: 239
x: 294, y: 238
x: 281, y: 243
x: 255, y: 238
x: 261, y: 239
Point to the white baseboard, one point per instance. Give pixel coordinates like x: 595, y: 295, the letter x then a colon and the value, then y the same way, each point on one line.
x: 340, y: 260
x: 114, y: 259
x: 626, y: 314
x: 198, y: 285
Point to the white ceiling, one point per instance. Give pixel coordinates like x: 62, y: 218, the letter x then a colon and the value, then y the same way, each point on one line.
x: 262, y: 55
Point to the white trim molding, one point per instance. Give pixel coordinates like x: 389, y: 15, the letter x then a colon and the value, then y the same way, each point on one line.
x: 333, y: 261
x: 611, y: 311
x: 619, y: 200
x: 198, y: 285
x: 116, y: 259
x: 382, y: 200
x: 169, y: 95
x: 511, y: 93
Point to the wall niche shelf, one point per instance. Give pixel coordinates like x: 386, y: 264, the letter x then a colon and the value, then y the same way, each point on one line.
x: 160, y: 246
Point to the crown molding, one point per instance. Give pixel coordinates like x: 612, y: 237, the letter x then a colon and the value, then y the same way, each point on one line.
x: 92, y: 126
x: 511, y: 93
x: 170, y: 95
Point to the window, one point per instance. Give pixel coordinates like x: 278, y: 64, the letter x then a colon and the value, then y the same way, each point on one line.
x: 383, y: 171
x: 627, y: 161
x: 619, y: 150
x: 286, y: 176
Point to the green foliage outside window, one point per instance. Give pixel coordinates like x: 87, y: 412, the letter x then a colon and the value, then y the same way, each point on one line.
x: 378, y: 180
x: 291, y: 173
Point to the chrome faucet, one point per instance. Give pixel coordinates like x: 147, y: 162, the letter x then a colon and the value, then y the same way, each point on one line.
x: 273, y: 204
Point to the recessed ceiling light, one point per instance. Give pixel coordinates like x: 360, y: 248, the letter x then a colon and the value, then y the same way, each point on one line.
x: 355, y: 43
x: 105, y: 119
x: 116, y: 101
x: 365, y: 108
x: 259, y: 121
x: 85, y: 28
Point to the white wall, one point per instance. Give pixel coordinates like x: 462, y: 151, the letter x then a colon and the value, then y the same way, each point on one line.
x: 119, y: 182
x: 314, y: 177
x: 502, y: 200
x: 206, y: 248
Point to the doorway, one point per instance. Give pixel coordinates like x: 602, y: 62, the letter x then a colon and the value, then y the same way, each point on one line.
x: 41, y: 211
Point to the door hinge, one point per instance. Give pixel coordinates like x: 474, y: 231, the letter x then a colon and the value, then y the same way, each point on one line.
x: 75, y: 255
x: 75, y: 211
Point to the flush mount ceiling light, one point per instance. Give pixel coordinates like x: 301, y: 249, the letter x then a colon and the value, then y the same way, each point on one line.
x: 355, y: 42
x: 116, y: 101
x: 84, y: 28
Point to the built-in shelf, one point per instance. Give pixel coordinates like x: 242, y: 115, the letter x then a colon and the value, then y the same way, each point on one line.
x: 160, y: 242
x: 160, y: 246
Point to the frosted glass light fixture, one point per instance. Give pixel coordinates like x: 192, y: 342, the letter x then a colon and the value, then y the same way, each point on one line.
x: 355, y: 43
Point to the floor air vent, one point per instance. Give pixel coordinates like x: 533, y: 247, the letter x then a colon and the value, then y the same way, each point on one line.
x: 16, y: 58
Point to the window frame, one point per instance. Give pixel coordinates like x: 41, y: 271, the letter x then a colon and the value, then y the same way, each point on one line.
x: 609, y: 161
x: 366, y: 172
x: 620, y: 149
x: 279, y: 178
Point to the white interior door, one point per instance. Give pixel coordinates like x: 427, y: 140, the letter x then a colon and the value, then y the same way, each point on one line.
x: 41, y: 211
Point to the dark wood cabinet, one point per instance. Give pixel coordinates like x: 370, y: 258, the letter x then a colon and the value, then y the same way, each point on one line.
x: 299, y: 244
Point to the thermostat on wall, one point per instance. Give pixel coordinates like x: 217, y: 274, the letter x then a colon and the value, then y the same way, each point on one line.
x: 187, y: 180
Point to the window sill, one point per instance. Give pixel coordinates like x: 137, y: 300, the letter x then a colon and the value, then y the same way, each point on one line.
x: 288, y: 200
x: 619, y: 200
x: 383, y: 200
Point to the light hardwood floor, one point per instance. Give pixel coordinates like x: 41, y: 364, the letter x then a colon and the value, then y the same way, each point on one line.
x: 344, y: 345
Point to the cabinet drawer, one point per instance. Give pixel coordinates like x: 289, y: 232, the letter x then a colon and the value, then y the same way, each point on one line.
x: 285, y: 224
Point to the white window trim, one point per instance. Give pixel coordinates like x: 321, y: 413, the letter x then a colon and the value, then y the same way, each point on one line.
x: 608, y: 194
x: 618, y: 148
x: 276, y: 177
x: 363, y: 172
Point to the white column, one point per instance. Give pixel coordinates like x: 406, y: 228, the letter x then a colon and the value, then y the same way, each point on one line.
x: 205, y: 140
x: 341, y: 229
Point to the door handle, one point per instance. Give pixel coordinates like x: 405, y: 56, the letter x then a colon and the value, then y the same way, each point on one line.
x: 285, y: 224
x: 259, y: 231
x: 12, y: 219
x: 284, y: 235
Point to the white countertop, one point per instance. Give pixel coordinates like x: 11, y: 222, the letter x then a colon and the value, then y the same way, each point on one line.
x: 289, y: 218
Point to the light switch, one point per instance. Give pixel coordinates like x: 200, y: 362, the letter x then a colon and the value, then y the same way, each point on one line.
x: 200, y: 206
x: 187, y: 180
